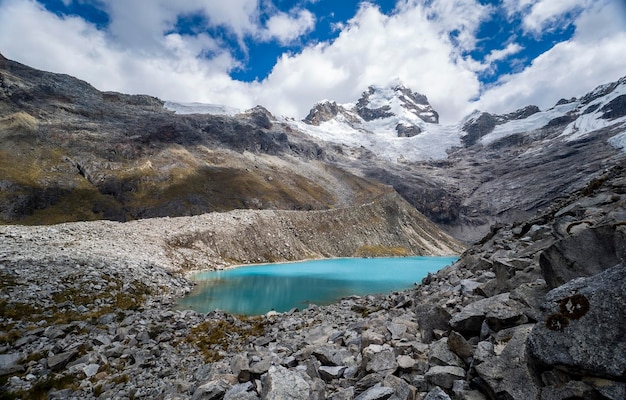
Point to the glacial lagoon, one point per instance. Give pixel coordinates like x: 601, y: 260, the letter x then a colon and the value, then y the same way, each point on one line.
x: 255, y: 290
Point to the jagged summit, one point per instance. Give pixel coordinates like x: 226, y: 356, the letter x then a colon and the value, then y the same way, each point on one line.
x: 572, y: 119
x: 395, y: 107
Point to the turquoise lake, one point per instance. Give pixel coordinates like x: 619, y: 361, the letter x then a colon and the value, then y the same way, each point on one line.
x: 255, y: 290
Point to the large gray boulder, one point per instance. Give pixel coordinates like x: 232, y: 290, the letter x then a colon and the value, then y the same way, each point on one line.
x: 586, y: 253
x: 429, y: 318
x: 584, y: 328
x: 281, y: 383
x: 499, y: 312
x: 507, y: 375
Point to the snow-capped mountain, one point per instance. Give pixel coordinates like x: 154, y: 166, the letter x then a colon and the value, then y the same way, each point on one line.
x: 604, y: 107
x: 392, y: 121
x: 399, y: 125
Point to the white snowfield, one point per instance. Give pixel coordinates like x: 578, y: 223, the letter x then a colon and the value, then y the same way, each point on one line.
x: 434, y: 141
x: 592, y: 121
x: 201, y: 108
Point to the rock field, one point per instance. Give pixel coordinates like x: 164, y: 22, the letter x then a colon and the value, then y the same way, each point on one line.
x: 533, y: 311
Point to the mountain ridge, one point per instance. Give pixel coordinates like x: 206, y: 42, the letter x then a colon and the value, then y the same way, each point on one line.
x: 90, y: 155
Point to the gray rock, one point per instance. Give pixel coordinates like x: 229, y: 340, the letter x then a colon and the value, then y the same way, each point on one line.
x: 468, y: 286
x: 459, y: 346
x: 584, y: 326
x: 260, y: 367
x: 329, y: 373
x: 212, y: 390
x: 240, y: 366
x: 402, y: 390
x: 9, y: 363
x: 91, y: 369
x: 333, y: 355
x: 242, y: 391
x: 59, y: 361
x: 430, y: 317
x: 587, y: 253
x: 405, y: 362
x: 379, y: 360
x: 397, y: 330
x: 444, y: 376
x: 283, y: 384
x: 483, y: 351
x: 371, y: 337
x: 571, y: 390
x: 507, y: 375
x: 610, y: 389
x: 343, y: 394
x: 499, y: 311
x: 8, y: 360
x: 437, y: 394
x: 367, y: 382
x: 375, y: 393
x: 440, y: 354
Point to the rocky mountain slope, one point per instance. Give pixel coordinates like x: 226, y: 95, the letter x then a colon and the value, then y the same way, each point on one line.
x: 533, y: 311
x: 70, y: 152
x: 73, y: 153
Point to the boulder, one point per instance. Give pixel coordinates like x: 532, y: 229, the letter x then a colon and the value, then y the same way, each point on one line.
x: 571, y: 390
x: 459, y: 346
x: 380, y: 359
x: 343, y: 394
x: 212, y: 390
x: 440, y: 354
x: 507, y: 375
x: 584, y: 326
x: 401, y: 389
x: 437, y: 394
x: 405, y: 362
x: 281, y: 383
x: 9, y: 363
x: 499, y: 312
x: 333, y: 355
x: 429, y: 318
x: 375, y: 393
x: 444, y: 376
x: 59, y: 361
x: 586, y: 253
x: 329, y: 373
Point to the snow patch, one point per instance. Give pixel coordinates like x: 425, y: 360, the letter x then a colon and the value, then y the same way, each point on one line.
x: 619, y: 141
x: 432, y: 143
x: 528, y: 124
x: 593, y: 121
x: 201, y: 108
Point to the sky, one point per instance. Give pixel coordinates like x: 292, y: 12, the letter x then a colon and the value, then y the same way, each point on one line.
x: 286, y: 55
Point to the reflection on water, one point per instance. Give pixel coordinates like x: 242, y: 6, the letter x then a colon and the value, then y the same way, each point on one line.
x: 281, y: 287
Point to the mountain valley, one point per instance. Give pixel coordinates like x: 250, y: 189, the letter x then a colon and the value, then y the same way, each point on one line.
x: 109, y: 201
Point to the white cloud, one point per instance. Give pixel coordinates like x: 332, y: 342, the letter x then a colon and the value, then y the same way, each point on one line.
x: 412, y: 45
x: 287, y: 27
x: 138, y: 53
x: 569, y: 69
x: 545, y: 14
x: 497, y: 55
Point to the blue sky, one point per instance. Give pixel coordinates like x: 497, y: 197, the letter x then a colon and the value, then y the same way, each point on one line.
x: 288, y: 54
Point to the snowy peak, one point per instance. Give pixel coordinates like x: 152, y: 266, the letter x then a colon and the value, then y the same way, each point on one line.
x: 572, y: 119
x: 327, y: 110
x: 391, y: 122
x: 384, y: 102
x: 387, y: 110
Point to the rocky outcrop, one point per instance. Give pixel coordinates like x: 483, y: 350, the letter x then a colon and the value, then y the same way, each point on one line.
x: 582, y: 332
x: 589, y: 251
x: 73, y: 153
